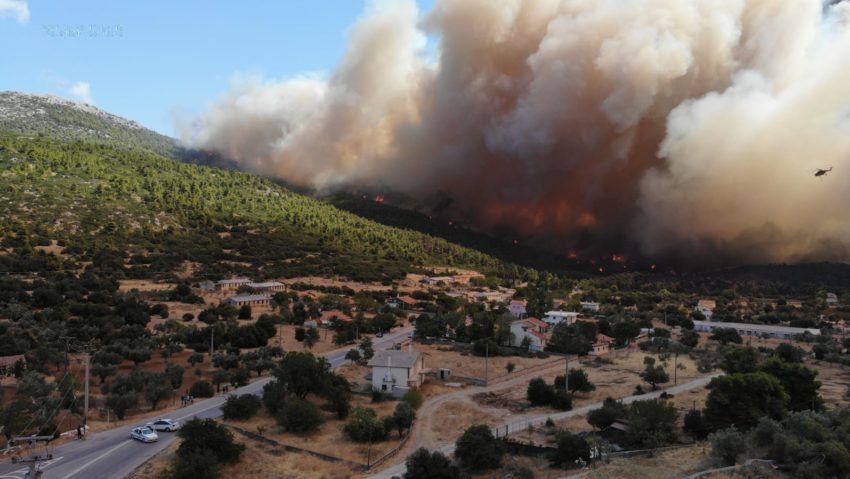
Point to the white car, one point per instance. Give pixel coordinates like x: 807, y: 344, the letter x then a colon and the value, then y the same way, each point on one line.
x: 144, y: 434
x: 166, y: 425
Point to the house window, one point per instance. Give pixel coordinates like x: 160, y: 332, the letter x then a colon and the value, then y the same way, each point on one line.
x: 383, y: 387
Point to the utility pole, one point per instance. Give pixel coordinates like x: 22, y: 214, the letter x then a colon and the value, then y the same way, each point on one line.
x: 33, y: 459
x: 486, y: 361
x: 212, y: 343
x: 369, y: 451
x: 86, y: 402
x: 676, y: 368
x: 567, y: 376
x: 86, y: 349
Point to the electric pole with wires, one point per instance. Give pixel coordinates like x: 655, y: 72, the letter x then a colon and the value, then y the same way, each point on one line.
x: 33, y: 459
x: 85, y: 349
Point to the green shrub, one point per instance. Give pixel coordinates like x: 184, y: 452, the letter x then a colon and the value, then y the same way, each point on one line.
x: 202, y: 389
x: 240, y: 407
x: 365, y: 426
x: 728, y: 445
x: 414, y: 398
x: 299, y: 416
x: 539, y: 393
x: 478, y: 449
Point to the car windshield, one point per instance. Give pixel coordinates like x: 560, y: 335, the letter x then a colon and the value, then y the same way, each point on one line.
x: 146, y: 430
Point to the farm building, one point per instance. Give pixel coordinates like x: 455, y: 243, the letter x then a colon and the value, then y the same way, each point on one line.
x: 231, y: 284
x: 249, y: 300
x: 268, y: 286
x: 760, y: 330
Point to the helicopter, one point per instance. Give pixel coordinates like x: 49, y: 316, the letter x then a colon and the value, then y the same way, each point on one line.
x: 822, y: 171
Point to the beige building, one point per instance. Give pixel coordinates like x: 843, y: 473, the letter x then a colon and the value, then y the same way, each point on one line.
x: 397, y: 372
x: 249, y: 300
x: 268, y: 286
x: 231, y: 284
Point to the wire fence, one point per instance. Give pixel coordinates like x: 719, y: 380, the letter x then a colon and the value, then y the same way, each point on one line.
x: 391, y: 453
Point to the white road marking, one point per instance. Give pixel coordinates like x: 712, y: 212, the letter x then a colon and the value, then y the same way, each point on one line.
x: 75, y: 471
x: 217, y: 406
x: 20, y: 473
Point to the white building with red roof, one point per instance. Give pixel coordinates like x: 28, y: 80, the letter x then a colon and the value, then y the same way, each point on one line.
x: 531, y: 332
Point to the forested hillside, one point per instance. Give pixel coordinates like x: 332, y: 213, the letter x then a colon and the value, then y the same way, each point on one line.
x: 159, y: 212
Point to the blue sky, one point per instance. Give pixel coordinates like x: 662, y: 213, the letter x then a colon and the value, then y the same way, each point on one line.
x: 152, y: 60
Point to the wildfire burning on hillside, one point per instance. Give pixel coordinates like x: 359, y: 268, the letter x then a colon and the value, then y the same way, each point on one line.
x: 676, y: 129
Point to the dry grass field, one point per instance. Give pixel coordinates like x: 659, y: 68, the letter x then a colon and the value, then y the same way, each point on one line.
x: 670, y: 464
x: 329, y: 438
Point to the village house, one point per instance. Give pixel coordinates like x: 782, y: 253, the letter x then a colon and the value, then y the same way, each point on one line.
x: 831, y: 299
x: 231, y: 284
x: 590, y: 306
x: 408, y: 302
x: 397, y: 372
x: 7, y: 364
x: 207, y: 285
x: 465, y: 278
x: 436, y: 280
x: 531, y: 332
x: 402, y: 302
x: 706, y: 307
x: 331, y: 315
x: 602, y: 345
x: 557, y: 317
x: 517, y: 308
x: 757, y: 330
x: 268, y: 286
x: 248, y: 300
x: 794, y: 303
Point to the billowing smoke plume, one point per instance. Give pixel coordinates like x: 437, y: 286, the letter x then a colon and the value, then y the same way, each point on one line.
x: 687, y: 127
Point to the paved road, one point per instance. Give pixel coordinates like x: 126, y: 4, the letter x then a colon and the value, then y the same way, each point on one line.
x: 111, y: 454
x: 520, y: 423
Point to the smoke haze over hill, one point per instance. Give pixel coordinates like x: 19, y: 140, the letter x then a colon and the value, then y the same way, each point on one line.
x: 688, y: 129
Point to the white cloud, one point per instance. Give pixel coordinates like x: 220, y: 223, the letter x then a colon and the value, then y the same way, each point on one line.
x: 18, y: 8
x: 82, y: 91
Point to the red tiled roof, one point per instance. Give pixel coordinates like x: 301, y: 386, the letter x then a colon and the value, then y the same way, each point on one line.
x: 11, y: 360
x: 601, y: 338
x: 707, y: 303
x: 537, y: 333
x: 327, y: 316
x: 407, y: 300
x: 536, y: 322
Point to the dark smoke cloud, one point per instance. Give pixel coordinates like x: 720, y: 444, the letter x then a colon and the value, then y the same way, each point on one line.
x: 688, y: 127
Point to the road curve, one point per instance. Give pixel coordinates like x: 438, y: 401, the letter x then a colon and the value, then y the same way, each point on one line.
x: 112, y: 455
x: 519, y: 423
